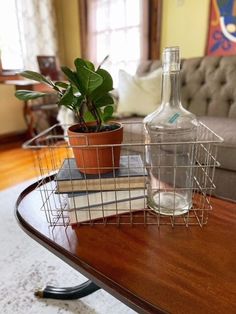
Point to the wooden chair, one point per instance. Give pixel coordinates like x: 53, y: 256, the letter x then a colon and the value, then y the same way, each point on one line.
x: 49, y: 66
x: 43, y: 111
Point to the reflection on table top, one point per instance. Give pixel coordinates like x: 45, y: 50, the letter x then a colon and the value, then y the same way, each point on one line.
x: 151, y: 269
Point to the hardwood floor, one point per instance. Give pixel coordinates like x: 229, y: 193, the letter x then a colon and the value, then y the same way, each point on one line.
x: 16, y: 165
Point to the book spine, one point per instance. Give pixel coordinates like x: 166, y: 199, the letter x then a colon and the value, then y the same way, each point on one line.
x: 104, y: 185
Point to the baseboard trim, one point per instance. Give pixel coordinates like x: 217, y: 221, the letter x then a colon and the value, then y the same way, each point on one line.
x: 12, y: 137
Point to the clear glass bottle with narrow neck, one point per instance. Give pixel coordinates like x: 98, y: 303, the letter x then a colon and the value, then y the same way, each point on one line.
x: 170, y: 134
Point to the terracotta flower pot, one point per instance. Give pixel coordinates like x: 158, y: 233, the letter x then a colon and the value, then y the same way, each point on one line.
x: 97, y: 159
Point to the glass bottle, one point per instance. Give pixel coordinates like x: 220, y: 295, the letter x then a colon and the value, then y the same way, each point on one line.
x: 170, y: 134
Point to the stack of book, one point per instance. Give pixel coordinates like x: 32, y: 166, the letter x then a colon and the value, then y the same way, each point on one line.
x: 92, y: 197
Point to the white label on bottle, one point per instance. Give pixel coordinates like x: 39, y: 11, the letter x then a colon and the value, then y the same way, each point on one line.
x: 173, y: 118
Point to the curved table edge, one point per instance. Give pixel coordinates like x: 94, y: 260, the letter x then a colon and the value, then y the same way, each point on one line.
x: 99, y: 279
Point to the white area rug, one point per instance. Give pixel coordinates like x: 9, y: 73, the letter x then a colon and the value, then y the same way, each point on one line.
x: 25, y: 265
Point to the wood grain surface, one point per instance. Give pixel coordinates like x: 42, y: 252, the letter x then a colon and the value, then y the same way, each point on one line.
x: 16, y: 165
x: 151, y: 269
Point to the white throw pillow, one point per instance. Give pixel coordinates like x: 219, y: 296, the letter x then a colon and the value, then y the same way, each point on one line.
x: 139, y: 95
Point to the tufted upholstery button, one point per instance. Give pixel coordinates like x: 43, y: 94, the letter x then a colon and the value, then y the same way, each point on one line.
x: 208, y: 100
x: 183, y: 83
x: 198, y: 66
x: 189, y: 100
x: 223, y: 82
x: 203, y: 82
x: 230, y: 101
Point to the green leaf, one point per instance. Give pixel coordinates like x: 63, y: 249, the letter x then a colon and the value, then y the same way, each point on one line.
x: 107, y: 113
x: 62, y: 84
x: 72, y: 77
x: 105, y: 87
x: 78, y: 102
x: 107, y: 79
x: 88, y: 79
x: 35, y: 76
x: 104, y: 101
x: 27, y: 95
x: 91, y: 80
x: 68, y: 98
x: 81, y: 63
x: 88, y: 117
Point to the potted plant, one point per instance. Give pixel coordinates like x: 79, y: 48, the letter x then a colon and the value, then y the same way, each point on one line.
x: 86, y: 93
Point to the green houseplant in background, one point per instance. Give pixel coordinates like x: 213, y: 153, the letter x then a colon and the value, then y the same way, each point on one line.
x: 85, y: 91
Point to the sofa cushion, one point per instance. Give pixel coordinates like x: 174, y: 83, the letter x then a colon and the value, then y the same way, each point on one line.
x: 226, y: 128
x: 207, y: 84
x: 138, y: 95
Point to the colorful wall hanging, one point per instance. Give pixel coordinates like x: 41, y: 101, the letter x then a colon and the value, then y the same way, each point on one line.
x: 221, y: 39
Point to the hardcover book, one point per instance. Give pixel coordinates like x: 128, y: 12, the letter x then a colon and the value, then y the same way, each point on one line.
x: 130, y: 175
x: 85, y: 207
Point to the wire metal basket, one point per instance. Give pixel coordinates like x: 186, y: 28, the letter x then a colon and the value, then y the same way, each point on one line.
x: 69, y: 200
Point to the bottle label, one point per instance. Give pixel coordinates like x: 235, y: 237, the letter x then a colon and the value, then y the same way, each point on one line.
x: 173, y: 118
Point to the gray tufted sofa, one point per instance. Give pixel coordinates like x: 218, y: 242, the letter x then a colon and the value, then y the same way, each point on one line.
x: 208, y: 89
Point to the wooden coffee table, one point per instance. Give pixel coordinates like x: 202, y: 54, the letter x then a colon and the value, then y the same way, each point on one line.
x: 151, y: 269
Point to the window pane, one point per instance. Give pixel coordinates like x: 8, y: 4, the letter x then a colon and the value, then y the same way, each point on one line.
x: 117, y: 45
x: 133, y: 12
x: 101, y: 17
x: 11, y: 50
x: 117, y: 33
x: 133, y: 44
x: 117, y: 14
x: 102, y: 44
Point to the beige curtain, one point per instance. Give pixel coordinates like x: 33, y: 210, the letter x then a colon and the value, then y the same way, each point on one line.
x: 37, y: 24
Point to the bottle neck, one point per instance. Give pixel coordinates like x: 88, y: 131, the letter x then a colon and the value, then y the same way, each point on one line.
x: 171, y: 89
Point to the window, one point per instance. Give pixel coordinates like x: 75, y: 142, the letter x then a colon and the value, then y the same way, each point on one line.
x: 117, y: 28
x: 27, y: 29
x: 10, y: 41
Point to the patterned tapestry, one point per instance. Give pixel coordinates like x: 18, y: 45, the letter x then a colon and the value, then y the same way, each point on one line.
x: 221, y: 39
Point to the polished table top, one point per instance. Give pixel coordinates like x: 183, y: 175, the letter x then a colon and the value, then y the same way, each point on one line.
x: 151, y: 269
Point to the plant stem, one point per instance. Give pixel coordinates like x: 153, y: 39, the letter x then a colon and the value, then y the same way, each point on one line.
x: 98, y: 119
x: 92, y: 108
x: 103, y: 61
x: 80, y: 118
x: 56, y: 88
